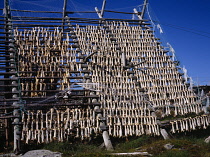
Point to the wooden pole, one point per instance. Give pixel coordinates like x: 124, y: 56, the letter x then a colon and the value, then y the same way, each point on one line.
x: 17, y: 131
x: 101, y: 14
x: 144, y: 8
x: 64, y: 13
x: 106, y: 138
x: 103, y: 7
x: 6, y: 130
x: 16, y: 111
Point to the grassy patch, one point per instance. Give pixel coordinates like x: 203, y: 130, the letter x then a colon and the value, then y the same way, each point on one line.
x: 129, y: 144
x: 75, y: 149
x: 92, y: 149
x: 184, y: 145
x: 174, y: 153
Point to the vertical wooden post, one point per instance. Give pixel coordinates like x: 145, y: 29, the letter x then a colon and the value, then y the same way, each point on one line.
x: 6, y: 131
x: 17, y: 131
x: 16, y: 112
x: 101, y: 14
x: 106, y: 138
x: 103, y: 7
x: 64, y: 13
x: 144, y: 8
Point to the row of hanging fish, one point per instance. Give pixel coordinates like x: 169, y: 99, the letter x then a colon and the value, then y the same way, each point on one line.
x: 45, y: 127
x: 168, y: 89
x: 189, y: 124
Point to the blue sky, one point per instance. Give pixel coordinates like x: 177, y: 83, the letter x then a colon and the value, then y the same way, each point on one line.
x: 185, y: 24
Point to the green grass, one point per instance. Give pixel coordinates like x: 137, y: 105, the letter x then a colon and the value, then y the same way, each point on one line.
x: 183, y: 147
x: 189, y: 144
x: 74, y: 149
x: 174, y: 153
x: 129, y: 144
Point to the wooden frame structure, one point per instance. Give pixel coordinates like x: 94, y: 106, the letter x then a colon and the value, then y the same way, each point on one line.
x: 69, y: 76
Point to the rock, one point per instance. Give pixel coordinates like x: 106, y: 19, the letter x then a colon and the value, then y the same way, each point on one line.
x: 41, y: 153
x: 35, y: 153
x: 168, y: 146
x: 207, y: 140
x: 164, y: 134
